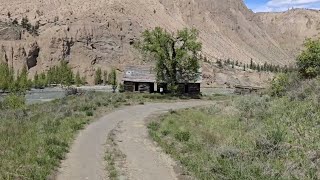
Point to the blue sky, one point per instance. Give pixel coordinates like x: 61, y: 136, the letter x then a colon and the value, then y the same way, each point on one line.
x: 281, y: 5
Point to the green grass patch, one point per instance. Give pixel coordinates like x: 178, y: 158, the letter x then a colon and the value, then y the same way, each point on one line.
x: 247, y: 138
x: 34, y: 139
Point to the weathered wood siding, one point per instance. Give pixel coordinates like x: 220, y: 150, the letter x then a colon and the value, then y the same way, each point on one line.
x: 138, y: 87
x: 194, y: 88
x: 129, y: 86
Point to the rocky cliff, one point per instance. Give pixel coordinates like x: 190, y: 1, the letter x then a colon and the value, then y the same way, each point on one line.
x: 101, y: 33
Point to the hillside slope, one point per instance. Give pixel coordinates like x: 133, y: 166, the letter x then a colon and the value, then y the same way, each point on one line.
x: 291, y: 28
x: 99, y: 33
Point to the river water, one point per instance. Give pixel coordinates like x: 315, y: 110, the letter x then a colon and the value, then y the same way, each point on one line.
x: 42, y: 95
x: 35, y: 96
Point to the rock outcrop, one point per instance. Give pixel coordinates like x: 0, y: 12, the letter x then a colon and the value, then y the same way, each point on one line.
x: 99, y: 33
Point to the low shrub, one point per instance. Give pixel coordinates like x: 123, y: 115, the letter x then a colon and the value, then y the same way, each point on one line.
x: 13, y: 101
x: 182, y: 136
x: 154, y: 126
x: 89, y: 113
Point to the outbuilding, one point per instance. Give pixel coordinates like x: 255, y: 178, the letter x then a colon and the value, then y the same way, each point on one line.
x: 139, y: 79
x: 143, y: 79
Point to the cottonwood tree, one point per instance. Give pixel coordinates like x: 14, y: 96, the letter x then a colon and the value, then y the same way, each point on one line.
x: 177, y: 56
x: 308, y: 61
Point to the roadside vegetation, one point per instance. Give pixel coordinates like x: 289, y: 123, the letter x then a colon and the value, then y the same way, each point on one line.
x: 35, y: 138
x: 272, y: 136
x: 62, y: 74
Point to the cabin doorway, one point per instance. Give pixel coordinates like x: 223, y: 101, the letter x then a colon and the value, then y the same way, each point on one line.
x: 186, y: 88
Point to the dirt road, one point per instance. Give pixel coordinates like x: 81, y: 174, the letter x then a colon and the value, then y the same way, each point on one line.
x: 86, y: 158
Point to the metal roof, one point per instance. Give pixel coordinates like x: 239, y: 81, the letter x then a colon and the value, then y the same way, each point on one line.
x: 144, y: 74
x: 139, y: 74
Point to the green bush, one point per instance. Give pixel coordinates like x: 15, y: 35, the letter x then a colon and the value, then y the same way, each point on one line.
x: 279, y: 85
x: 308, y: 61
x: 182, y: 136
x: 14, y: 101
x: 89, y: 113
x: 121, y: 88
x: 154, y: 126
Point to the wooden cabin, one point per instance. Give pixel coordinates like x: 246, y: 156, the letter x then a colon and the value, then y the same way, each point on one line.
x: 139, y: 79
x: 143, y: 79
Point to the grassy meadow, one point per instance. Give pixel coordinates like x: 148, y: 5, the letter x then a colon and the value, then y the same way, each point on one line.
x: 35, y: 138
x: 251, y: 137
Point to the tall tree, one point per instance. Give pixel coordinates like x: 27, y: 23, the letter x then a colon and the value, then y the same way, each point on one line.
x: 78, y: 80
x: 309, y: 60
x: 4, y: 76
x: 113, y: 79
x: 177, y: 56
x: 105, y: 77
x: 23, y: 80
x: 98, y: 77
x: 66, y: 74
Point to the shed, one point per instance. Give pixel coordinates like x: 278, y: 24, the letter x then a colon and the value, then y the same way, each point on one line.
x: 139, y: 79
x: 143, y: 79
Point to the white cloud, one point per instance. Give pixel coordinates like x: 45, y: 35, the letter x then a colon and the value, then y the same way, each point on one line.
x: 283, y: 5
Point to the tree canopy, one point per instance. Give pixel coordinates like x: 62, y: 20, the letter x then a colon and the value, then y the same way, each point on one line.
x: 113, y: 79
x: 177, y: 56
x: 308, y: 61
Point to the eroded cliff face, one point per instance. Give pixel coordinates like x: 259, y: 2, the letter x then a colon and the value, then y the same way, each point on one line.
x: 291, y: 28
x: 99, y: 33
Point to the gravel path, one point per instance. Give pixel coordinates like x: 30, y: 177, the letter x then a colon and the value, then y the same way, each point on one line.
x: 86, y: 158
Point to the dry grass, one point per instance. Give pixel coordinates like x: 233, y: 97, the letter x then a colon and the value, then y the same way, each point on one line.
x: 35, y: 138
x: 250, y: 138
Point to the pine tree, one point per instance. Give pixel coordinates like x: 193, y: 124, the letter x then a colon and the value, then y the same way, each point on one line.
x: 113, y: 79
x: 25, y: 23
x: 43, y: 80
x: 50, y: 76
x: 105, y: 77
x: 36, y: 83
x: 84, y: 80
x: 23, y: 80
x: 219, y: 63
x: 258, y: 68
x: 98, y: 77
x: 4, y: 76
x: 65, y: 74
x: 15, y: 21
x: 78, y: 80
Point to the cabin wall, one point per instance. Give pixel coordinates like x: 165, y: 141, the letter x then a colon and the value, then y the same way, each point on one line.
x: 194, y: 88
x: 129, y: 86
x: 138, y: 87
x: 190, y: 88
